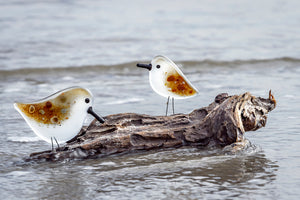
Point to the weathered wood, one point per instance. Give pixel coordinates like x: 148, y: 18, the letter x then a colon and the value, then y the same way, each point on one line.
x: 222, y: 123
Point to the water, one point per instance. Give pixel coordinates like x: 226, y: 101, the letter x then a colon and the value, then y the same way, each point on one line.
x: 78, y: 33
x: 222, y: 46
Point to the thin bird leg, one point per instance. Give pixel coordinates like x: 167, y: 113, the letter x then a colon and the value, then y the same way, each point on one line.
x: 52, y: 144
x: 56, y: 142
x: 173, y: 105
x: 167, y: 105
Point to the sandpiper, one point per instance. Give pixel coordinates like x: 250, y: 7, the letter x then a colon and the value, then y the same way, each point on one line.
x: 59, y: 116
x: 167, y: 80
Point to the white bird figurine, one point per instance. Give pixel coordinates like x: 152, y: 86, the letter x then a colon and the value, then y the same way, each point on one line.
x: 59, y: 116
x: 167, y: 80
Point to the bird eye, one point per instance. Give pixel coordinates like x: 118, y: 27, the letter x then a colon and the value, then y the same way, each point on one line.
x: 157, y: 66
x: 87, y: 100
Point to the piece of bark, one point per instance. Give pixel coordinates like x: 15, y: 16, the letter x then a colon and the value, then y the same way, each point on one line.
x: 222, y: 123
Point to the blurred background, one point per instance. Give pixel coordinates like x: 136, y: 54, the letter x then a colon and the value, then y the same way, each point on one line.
x: 222, y: 46
x: 39, y: 34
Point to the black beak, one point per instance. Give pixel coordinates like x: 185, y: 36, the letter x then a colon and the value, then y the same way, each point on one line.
x: 100, y: 119
x: 146, y: 66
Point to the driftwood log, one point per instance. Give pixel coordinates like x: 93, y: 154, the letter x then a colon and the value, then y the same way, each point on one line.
x: 220, y: 124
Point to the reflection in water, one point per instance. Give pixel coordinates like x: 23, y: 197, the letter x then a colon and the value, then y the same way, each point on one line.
x: 61, y: 185
x: 163, y: 174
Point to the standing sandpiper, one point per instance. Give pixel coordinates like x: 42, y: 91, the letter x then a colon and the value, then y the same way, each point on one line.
x: 167, y: 80
x: 59, y: 116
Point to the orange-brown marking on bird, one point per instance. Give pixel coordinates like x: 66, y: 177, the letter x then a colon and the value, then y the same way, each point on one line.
x: 53, y: 111
x: 176, y: 84
x: 47, y: 112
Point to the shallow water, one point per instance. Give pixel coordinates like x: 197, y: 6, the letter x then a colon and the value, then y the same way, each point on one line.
x: 268, y: 170
x: 232, y: 47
